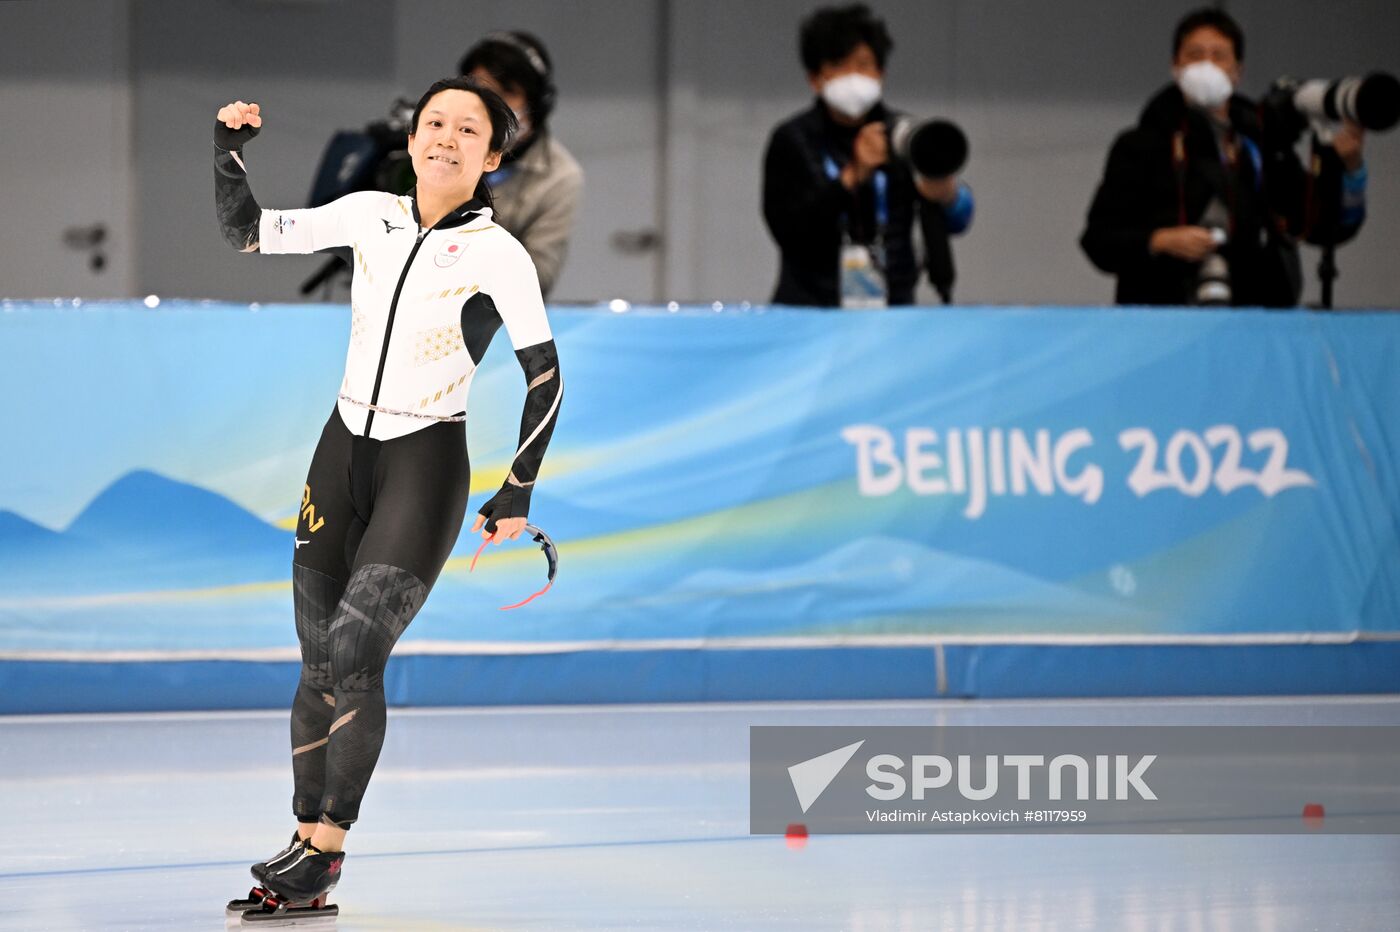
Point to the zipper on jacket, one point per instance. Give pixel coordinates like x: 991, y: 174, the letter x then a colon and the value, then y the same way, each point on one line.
x: 389, y: 329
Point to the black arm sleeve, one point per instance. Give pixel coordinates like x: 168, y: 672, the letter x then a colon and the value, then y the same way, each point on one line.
x: 1120, y: 222
x: 800, y: 204
x: 542, y: 397
x: 233, y: 200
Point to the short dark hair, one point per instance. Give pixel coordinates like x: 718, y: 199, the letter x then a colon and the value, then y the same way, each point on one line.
x: 1213, y: 18
x: 503, y: 124
x: 832, y: 33
x: 518, y: 60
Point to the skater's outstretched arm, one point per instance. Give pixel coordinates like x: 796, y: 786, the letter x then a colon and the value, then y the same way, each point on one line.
x: 515, y: 292
x: 238, y: 211
x: 544, y: 389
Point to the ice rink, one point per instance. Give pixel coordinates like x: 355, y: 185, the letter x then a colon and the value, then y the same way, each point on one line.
x: 626, y: 818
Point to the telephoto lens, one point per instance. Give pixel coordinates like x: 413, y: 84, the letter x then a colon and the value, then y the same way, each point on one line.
x: 1372, y: 101
x: 934, y: 149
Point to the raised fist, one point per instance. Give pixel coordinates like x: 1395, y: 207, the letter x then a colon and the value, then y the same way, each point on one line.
x: 235, y: 124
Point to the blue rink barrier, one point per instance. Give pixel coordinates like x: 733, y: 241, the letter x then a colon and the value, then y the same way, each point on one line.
x: 699, y: 675
x: 749, y: 504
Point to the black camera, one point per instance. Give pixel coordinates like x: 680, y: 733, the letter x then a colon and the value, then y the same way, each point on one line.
x: 934, y: 148
x: 1372, y: 101
x: 1290, y: 107
x: 372, y: 159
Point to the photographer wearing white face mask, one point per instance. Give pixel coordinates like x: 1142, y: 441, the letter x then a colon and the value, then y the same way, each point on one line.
x: 840, y: 207
x: 539, y: 186
x: 1198, y: 204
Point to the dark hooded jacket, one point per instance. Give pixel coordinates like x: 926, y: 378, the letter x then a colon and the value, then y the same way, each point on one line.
x: 804, y: 207
x: 1270, y: 202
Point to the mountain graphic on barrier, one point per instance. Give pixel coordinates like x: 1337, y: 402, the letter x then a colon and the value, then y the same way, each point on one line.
x: 149, y: 532
x: 18, y: 534
x: 144, y: 531
x: 146, y: 507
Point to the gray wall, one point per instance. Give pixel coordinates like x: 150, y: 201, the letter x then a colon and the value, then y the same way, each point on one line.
x: 666, y: 104
x: 607, y: 61
x: 66, y: 151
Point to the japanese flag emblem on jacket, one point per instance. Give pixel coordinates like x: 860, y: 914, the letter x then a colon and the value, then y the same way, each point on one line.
x: 449, y: 253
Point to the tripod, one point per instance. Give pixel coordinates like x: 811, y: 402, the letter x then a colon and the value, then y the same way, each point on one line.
x: 1327, y: 273
x: 1325, y: 218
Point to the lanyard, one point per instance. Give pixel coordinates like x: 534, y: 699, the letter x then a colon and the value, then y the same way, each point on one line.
x: 882, y: 198
x: 501, y: 175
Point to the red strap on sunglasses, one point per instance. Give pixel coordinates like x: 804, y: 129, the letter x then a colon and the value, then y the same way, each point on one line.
x: 547, y: 546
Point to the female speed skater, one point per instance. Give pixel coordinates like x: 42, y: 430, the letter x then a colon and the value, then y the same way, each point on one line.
x: 386, y: 493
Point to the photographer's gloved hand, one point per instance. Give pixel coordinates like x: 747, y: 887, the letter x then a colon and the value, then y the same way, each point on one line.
x: 1188, y: 243
x: 235, y: 124
x: 939, y: 190
x: 1348, y: 142
x: 870, y: 150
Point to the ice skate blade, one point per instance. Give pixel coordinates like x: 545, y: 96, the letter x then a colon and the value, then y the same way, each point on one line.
x: 236, y: 908
x: 286, y: 917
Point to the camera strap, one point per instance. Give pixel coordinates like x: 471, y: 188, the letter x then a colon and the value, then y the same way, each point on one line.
x: 1228, y: 147
x: 1179, y: 167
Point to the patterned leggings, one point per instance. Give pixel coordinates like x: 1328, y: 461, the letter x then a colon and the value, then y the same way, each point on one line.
x: 378, y: 521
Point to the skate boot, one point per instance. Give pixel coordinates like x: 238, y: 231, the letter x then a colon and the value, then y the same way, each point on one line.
x: 260, y: 869
x: 296, y: 890
x: 253, y: 900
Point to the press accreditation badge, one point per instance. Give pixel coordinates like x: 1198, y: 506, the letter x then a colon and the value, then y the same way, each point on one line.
x: 862, y: 281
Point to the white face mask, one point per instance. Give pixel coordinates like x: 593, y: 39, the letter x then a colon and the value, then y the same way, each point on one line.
x: 1204, y: 84
x: 523, y: 128
x: 852, y: 95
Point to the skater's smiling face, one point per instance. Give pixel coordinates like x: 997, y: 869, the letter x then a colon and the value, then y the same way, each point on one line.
x: 457, y: 137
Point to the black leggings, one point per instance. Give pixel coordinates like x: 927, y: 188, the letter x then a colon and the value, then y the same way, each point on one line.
x: 378, y: 521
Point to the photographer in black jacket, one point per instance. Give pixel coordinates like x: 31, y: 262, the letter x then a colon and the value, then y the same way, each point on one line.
x: 833, y: 196
x: 1201, y: 204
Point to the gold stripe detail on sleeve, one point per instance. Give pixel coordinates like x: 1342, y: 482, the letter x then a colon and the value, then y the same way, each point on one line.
x: 541, y: 379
